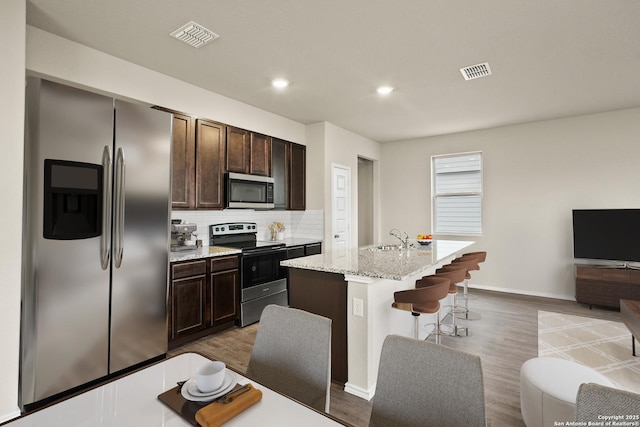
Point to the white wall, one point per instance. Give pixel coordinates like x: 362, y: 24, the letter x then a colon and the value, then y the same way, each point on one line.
x: 344, y: 148
x: 12, y: 46
x: 534, y: 175
x: 62, y: 60
x: 315, y: 137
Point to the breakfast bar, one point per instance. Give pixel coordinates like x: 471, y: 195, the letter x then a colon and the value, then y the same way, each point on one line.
x: 356, y: 291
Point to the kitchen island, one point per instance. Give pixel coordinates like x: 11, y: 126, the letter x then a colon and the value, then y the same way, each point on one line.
x: 356, y: 292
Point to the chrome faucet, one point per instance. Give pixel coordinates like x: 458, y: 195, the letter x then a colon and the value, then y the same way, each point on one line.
x: 398, y: 235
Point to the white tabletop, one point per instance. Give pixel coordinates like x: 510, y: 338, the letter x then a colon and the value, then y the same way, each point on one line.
x: 132, y: 401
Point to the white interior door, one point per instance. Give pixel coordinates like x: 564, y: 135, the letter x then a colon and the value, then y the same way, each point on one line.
x: 341, y: 208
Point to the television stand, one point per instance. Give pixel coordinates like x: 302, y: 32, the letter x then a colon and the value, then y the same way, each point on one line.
x: 605, y: 285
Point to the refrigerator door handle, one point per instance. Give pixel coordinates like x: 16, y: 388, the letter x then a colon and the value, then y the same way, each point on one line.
x: 105, y: 238
x: 119, y: 208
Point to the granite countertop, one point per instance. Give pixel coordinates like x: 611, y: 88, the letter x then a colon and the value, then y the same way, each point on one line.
x: 214, y: 251
x: 203, y: 252
x: 392, y: 265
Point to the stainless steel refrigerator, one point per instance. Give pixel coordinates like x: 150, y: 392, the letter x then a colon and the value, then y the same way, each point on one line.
x: 96, y: 236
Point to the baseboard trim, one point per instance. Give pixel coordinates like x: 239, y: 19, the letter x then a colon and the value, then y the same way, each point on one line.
x: 360, y: 392
x: 521, y: 292
x: 9, y: 416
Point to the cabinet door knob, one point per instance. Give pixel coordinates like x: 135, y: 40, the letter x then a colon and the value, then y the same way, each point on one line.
x: 336, y: 236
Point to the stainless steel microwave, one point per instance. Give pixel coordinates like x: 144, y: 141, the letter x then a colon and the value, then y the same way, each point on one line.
x: 248, y: 191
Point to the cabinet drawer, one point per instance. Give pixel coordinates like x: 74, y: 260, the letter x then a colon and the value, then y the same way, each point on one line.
x: 586, y: 287
x: 188, y: 269
x: 588, y: 273
x: 224, y: 263
x: 615, y: 275
x: 313, y: 249
x: 295, y: 252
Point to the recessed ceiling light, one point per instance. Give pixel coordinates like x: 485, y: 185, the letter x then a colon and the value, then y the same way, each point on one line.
x: 384, y: 90
x: 280, y: 83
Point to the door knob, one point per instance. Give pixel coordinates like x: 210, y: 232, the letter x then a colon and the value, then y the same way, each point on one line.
x: 336, y: 236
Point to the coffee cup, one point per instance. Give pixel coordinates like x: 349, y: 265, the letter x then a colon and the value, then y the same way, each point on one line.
x: 210, y: 376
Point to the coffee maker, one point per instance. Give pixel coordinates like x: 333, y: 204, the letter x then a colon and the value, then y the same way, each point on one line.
x: 181, y: 235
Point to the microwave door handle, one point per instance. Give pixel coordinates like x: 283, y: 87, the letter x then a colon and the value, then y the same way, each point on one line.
x: 105, y: 238
x: 119, y: 208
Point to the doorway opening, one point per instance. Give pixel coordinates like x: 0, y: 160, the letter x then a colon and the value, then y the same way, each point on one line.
x: 365, y: 202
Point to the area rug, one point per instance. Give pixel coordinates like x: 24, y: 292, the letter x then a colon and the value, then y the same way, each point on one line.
x: 600, y: 344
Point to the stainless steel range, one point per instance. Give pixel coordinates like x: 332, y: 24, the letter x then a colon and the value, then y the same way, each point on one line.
x: 263, y: 281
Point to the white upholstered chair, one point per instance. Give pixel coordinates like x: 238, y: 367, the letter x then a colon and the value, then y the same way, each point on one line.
x: 425, y: 384
x: 292, y: 355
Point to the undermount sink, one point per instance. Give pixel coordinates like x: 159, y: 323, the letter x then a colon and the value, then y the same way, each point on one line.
x: 386, y: 248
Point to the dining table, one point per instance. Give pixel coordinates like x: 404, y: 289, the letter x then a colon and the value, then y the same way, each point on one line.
x: 132, y: 400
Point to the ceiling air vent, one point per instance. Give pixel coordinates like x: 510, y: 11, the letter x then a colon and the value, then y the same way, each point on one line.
x: 476, y: 71
x: 194, y: 34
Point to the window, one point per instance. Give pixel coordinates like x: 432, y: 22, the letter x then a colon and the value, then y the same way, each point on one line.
x: 457, y: 193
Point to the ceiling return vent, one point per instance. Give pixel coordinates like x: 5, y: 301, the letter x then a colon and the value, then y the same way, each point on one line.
x: 194, y: 34
x: 476, y: 71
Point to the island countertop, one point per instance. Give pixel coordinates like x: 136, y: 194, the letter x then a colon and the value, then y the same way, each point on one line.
x: 390, y: 264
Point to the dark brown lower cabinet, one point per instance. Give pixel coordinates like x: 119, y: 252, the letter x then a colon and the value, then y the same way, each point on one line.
x: 225, y: 290
x: 324, y: 294
x: 188, y: 293
x: 606, y: 286
x: 204, y: 297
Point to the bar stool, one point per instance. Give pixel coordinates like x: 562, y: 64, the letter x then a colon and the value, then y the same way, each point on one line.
x: 478, y: 257
x: 424, y: 299
x: 455, y: 274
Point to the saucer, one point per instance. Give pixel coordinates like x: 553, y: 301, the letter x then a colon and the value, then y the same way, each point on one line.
x: 190, y: 389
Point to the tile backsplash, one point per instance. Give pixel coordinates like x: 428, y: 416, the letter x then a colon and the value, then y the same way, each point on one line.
x: 300, y: 224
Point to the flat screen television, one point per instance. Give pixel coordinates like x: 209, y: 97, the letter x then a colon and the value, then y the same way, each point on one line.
x: 607, y: 234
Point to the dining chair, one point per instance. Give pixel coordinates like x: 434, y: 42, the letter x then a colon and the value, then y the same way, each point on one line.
x: 292, y: 355
x: 425, y: 384
x: 596, y: 402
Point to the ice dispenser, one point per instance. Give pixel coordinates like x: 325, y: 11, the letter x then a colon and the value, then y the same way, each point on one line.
x: 72, y: 200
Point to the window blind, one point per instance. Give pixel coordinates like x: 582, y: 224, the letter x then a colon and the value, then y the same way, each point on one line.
x: 457, y: 189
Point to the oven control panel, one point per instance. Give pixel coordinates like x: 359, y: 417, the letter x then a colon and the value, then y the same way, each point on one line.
x: 232, y: 228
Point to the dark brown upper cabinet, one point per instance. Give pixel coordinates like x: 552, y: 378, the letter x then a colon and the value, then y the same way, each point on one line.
x: 197, y: 163
x: 260, y: 155
x: 248, y: 152
x: 238, y: 150
x: 288, y: 168
x: 183, y: 194
x: 210, y: 154
x: 297, y: 180
x: 204, y: 150
x: 280, y: 152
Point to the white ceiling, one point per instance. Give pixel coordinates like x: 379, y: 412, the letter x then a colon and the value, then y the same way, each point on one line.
x: 550, y: 58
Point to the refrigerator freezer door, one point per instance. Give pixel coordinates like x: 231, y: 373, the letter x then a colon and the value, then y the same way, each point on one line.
x: 142, y: 185
x: 65, y: 316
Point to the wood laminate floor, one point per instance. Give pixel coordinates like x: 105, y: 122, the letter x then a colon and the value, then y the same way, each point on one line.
x: 505, y: 337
